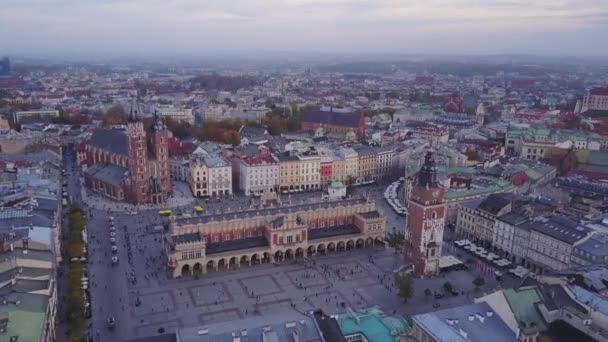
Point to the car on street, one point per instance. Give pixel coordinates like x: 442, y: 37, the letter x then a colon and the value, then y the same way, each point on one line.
x: 114, y: 248
x: 112, y: 239
x: 114, y: 260
x: 112, y: 234
x: 133, y: 212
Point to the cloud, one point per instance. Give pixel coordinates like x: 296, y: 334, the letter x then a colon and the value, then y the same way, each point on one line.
x: 459, y: 26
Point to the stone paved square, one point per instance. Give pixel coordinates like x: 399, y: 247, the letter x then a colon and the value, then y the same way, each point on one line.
x: 210, y: 294
x: 349, y: 270
x: 156, y: 302
x: 260, y: 285
x: 151, y: 329
x: 274, y: 305
x: 219, y: 316
x: 306, y: 278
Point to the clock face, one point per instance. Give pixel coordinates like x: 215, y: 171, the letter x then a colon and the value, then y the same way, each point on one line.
x: 435, y: 193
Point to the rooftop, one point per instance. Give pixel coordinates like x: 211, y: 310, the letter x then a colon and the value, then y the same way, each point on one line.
x: 473, y: 322
x: 110, y: 139
x: 107, y: 173
x: 326, y: 232
x: 235, y: 245
x: 370, y: 214
x: 26, y: 320
x: 332, y: 118
x: 278, y: 326
x: 523, y: 305
x: 267, y: 211
x: 560, y: 228
x: 374, y: 324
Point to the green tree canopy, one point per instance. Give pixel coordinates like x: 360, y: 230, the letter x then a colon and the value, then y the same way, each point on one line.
x: 405, y: 286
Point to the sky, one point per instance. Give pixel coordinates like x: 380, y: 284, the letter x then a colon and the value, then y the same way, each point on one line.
x: 433, y: 27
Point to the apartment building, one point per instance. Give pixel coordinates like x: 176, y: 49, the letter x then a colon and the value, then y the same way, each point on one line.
x: 476, y: 219
x: 259, y: 173
x: 552, y: 241
x: 215, y: 112
x: 367, y: 163
x: 220, y: 176
x: 310, y: 171
x: 351, y: 163
x: 177, y: 114
x: 511, y: 237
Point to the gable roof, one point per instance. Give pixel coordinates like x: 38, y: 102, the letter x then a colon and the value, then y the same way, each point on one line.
x: 332, y: 118
x: 110, y: 139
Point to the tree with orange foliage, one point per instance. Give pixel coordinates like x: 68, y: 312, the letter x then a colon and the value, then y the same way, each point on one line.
x: 116, y: 115
x: 232, y: 137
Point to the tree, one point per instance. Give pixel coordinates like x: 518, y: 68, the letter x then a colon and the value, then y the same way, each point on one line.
x: 447, y: 286
x: 232, y: 137
x: 116, y: 115
x: 405, y: 285
x: 427, y: 292
x: 396, y: 240
x: 479, y: 282
x: 472, y: 154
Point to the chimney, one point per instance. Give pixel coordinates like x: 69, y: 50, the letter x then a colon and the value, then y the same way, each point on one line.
x: 480, y: 317
x: 236, y: 337
x: 471, y: 318
x: 489, y: 313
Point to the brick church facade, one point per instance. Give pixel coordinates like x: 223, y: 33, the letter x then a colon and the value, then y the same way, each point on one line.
x: 130, y: 165
x: 425, y: 221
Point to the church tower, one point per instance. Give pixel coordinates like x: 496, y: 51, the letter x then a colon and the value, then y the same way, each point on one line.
x: 425, y: 223
x: 139, y: 174
x: 160, y: 174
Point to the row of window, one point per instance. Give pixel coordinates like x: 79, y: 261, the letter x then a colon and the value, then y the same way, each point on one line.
x: 192, y: 254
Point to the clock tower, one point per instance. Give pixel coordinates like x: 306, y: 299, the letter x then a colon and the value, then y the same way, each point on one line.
x: 424, y: 234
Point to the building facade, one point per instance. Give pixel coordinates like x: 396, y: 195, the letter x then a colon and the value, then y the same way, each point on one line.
x: 259, y: 173
x: 476, y: 219
x: 426, y: 220
x: 596, y: 99
x: 210, y: 176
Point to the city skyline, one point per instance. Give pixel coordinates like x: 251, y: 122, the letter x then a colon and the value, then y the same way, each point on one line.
x: 51, y: 27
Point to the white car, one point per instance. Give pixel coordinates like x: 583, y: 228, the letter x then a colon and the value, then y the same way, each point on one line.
x: 112, y: 239
x: 114, y: 248
x: 133, y: 212
x: 114, y: 259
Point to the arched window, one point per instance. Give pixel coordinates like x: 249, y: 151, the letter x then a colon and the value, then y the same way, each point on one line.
x: 434, y: 215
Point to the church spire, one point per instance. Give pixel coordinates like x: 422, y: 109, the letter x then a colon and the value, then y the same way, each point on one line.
x: 427, y: 177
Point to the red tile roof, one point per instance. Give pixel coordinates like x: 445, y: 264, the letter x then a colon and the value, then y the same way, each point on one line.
x: 603, y: 91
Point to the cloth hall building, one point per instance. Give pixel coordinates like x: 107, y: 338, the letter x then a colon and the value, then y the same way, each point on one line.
x: 231, y: 240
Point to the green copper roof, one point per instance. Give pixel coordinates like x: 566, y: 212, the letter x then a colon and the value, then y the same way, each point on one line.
x: 523, y: 305
x: 374, y: 324
x: 26, y: 320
